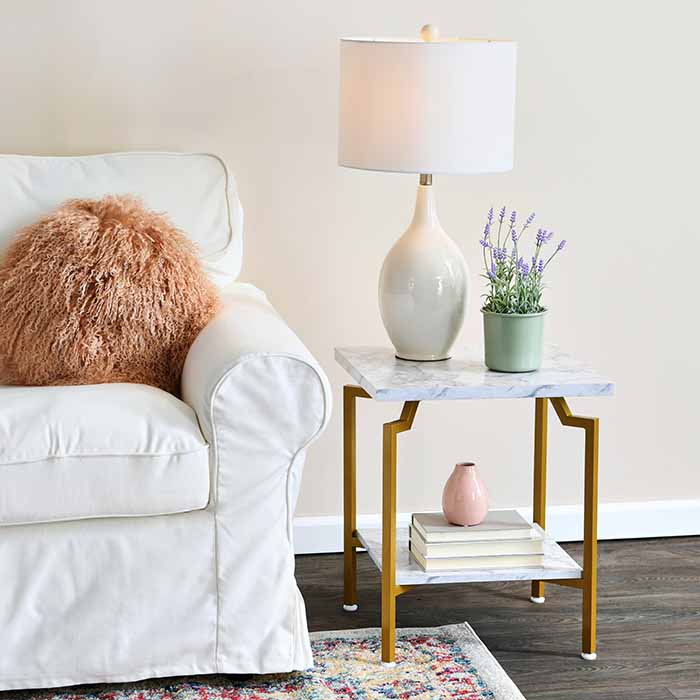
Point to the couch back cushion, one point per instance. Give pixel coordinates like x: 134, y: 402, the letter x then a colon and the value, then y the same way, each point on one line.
x: 195, y: 191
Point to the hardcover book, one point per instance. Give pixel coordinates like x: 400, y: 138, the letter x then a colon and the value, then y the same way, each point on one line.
x: 443, y: 550
x: 481, y: 562
x: 498, y: 525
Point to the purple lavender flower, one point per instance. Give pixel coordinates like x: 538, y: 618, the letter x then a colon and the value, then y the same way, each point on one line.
x: 500, y: 254
x: 543, y: 237
x: 505, y: 263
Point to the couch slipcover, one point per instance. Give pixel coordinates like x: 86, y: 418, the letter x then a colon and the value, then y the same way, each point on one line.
x: 208, y: 591
x: 104, y: 450
x: 261, y: 399
x: 105, y: 599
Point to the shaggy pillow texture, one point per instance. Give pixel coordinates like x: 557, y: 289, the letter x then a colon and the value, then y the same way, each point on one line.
x: 101, y: 291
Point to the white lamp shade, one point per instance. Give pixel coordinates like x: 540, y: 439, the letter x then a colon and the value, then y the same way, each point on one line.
x: 415, y: 106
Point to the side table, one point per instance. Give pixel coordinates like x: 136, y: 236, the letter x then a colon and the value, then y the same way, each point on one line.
x: 383, y: 377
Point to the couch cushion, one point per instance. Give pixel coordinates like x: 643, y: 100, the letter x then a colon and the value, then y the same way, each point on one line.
x: 97, y: 451
x: 195, y: 190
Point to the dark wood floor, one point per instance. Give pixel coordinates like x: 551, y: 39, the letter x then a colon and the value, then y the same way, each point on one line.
x: 648, y: 621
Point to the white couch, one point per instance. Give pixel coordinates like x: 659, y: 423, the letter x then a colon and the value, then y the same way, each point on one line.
x: 142, y: 535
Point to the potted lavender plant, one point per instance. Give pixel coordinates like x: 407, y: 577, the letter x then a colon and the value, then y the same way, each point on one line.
x: 513, y: 310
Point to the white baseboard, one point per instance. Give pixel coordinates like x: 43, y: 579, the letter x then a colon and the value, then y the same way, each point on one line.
x: 616, y: 521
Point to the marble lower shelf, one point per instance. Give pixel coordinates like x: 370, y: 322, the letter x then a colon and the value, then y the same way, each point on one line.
x: 557, y: 564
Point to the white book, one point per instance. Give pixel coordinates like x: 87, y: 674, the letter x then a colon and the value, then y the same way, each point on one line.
x: 443, y: 550
x: 513, y: 561
x: 498, y: 525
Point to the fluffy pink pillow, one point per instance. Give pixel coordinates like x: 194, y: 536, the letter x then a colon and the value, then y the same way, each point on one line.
x: 101, y: 291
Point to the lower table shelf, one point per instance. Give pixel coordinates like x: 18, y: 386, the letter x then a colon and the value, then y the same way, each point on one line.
x: 557, y: 564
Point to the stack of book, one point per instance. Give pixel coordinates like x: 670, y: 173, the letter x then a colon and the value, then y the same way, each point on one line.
x: 503, y: 540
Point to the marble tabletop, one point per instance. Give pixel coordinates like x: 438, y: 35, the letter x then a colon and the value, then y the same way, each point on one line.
x: 465, y: 376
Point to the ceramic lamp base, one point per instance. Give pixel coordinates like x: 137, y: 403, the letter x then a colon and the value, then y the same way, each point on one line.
x: 422, y: 359
x: 423, y: 287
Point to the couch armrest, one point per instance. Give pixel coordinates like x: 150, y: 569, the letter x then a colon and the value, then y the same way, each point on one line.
x: 261, y: 399
x: 254, y: 386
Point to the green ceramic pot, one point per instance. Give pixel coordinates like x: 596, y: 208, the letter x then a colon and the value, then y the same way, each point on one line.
x: 513, y: 342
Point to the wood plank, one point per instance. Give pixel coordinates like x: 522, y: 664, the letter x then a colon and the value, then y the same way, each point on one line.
x: 686, y: 693
x: 628, y: 693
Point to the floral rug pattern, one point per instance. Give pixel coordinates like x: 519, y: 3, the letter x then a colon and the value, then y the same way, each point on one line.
x: 432, y: 664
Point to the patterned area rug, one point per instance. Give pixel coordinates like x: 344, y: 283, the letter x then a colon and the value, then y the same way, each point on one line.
x: 435, y: 663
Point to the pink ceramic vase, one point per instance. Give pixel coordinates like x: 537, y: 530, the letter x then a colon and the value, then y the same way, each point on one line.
x: 464, y: 499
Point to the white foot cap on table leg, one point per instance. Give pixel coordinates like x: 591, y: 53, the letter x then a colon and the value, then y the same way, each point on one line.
x: 589, y: 657
x: 537, y: 599
x: 350, y: 608
x: 388, y: 664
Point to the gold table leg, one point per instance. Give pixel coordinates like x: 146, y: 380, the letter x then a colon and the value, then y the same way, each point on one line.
x: 390, y: 591
x: 539, y: 501
x: 590, y: 522
x: 350, y: 541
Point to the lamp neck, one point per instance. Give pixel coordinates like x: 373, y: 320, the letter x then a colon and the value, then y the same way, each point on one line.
x: 426, y: 179
x: 425, y: 214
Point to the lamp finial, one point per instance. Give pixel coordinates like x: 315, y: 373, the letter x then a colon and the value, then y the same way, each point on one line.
x: 429, y: 32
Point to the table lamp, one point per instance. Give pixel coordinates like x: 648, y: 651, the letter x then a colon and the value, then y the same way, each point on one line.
x: 427, y: 106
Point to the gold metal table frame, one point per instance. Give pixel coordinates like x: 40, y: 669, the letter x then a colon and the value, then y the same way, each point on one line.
x: 390, y: 590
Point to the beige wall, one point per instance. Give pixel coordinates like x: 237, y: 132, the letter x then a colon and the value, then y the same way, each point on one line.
x: 606, y: 152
